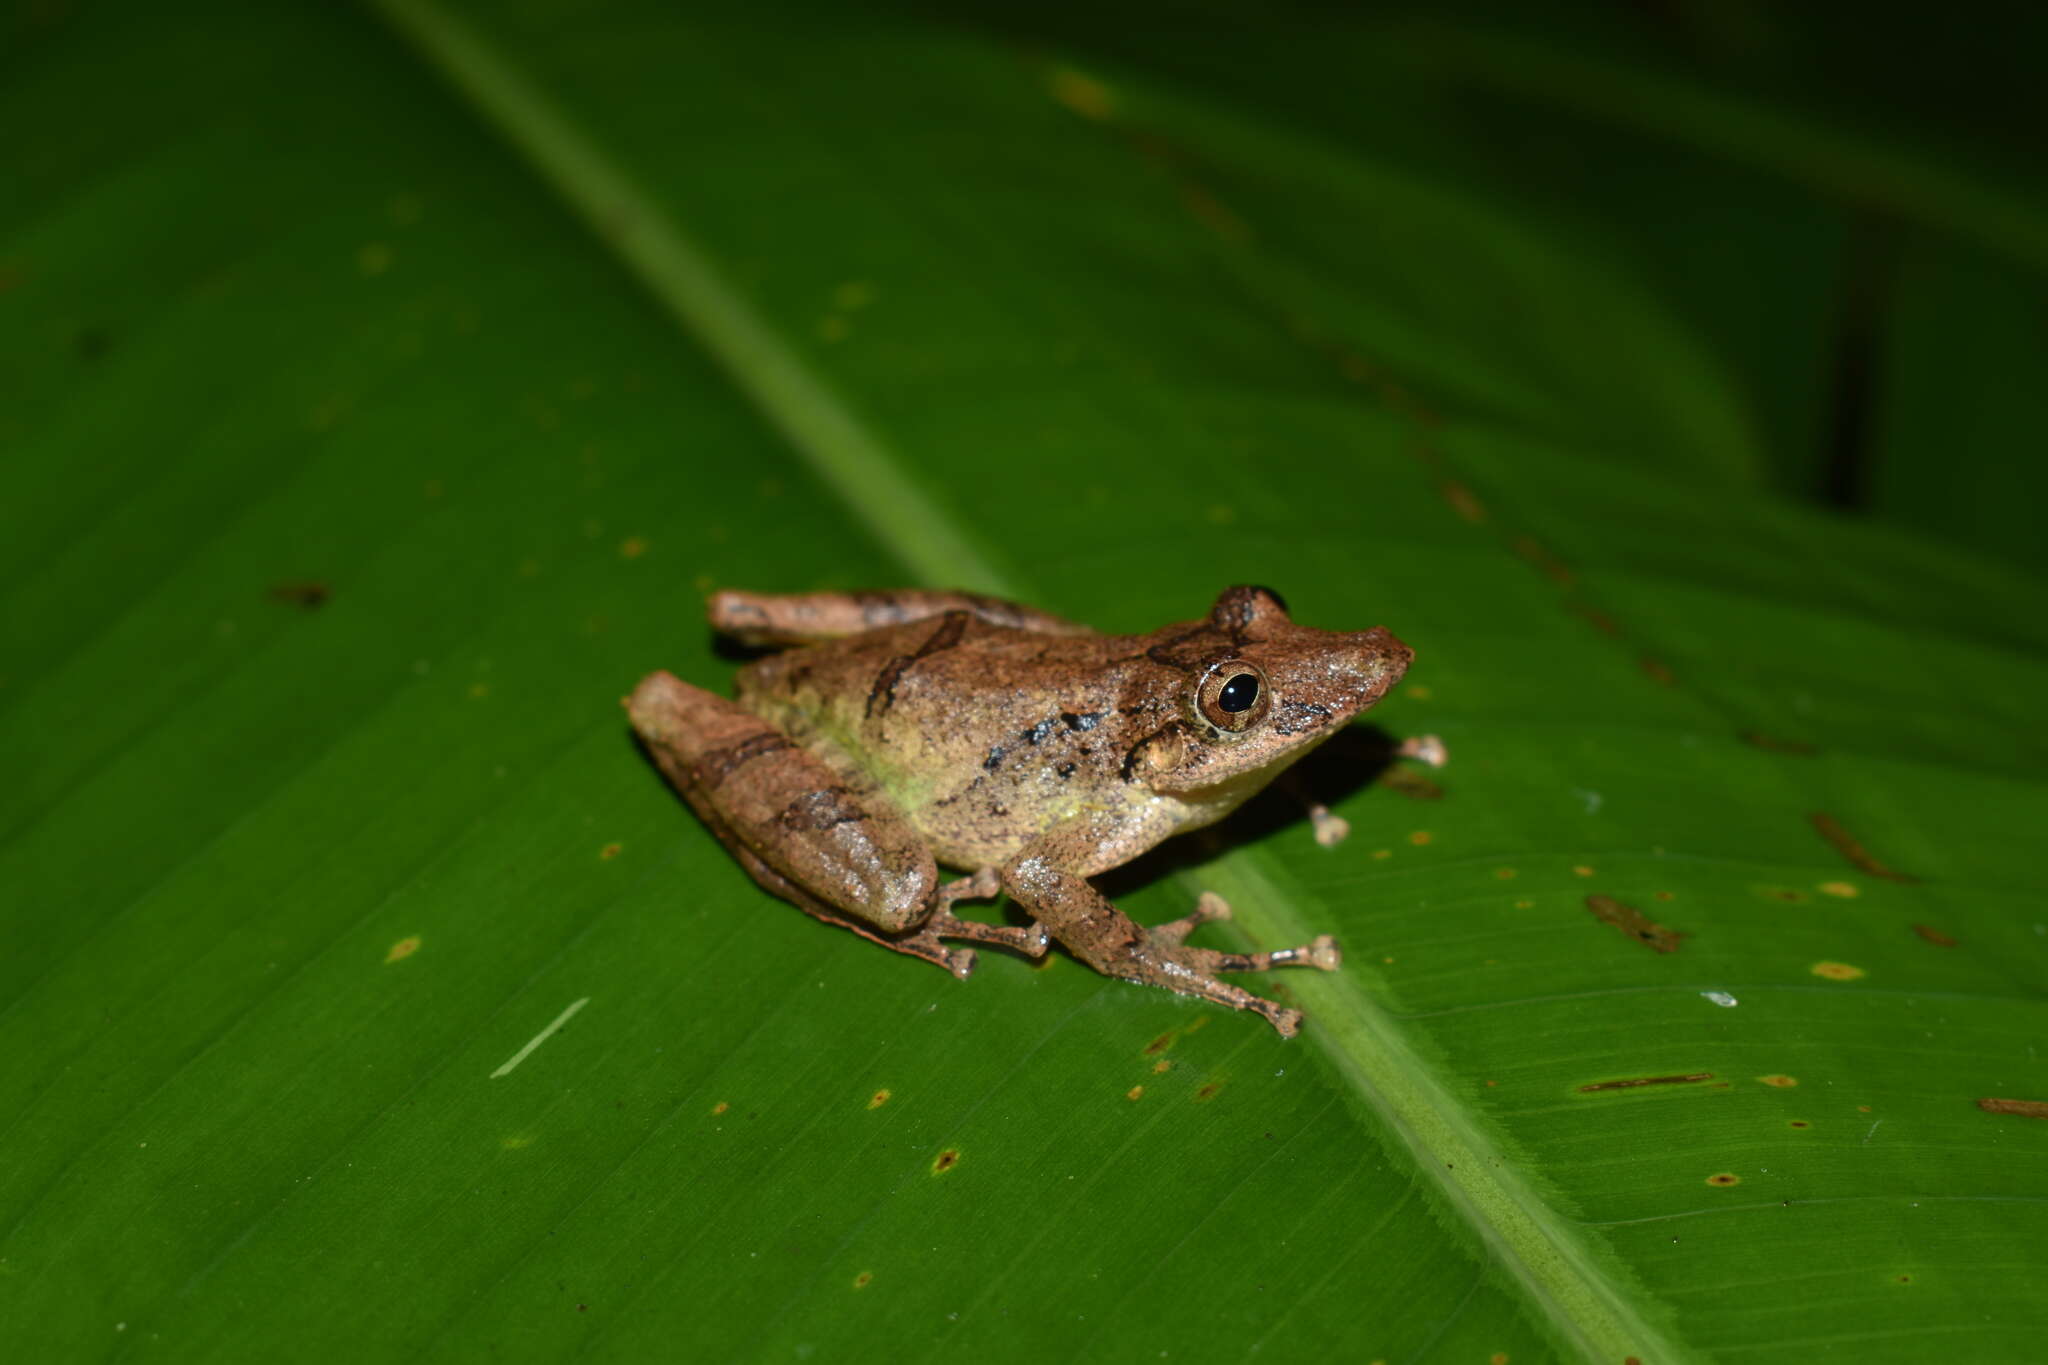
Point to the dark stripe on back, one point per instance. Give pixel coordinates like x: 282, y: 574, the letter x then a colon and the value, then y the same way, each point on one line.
x: 882, y: 695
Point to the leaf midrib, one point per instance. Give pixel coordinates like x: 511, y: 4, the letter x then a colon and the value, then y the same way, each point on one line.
x: 1556, y: 1265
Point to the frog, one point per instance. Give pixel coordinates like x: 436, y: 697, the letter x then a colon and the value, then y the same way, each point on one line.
x: 880, y: 736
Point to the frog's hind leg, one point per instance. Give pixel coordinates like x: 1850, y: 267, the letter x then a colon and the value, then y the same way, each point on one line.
x: 924, y: 942
x: 840, y: 855
x: 766, y: 619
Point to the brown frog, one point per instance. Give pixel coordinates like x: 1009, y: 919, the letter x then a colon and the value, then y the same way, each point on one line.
x: 906, y: 729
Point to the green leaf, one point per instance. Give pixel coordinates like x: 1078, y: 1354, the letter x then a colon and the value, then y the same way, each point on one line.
x: 384, y: 392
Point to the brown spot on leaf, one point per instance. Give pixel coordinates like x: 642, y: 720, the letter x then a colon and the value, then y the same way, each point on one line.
x: 1213, y: 213
x: 1161, y: 1067
x: 1800, y: 1123
x: 720, y: 1107
x: 1659, y: 671
x: 609, y: 852
x: 1600, y: 620
x: 1782, y: 1082
x: 1135, y: 1092
x: 945, y: 1161
x: 1420, y: 837
x: 404, y: 948
x: 1409, y: 783
x: 1843, y: 890
x: 307, y: 596
x: 1777, y: 745
x: 1934, y: 936
x: 1083, y: 94
x: 1633, y: 1082
x: 1845, y: 844
x: 2026, y: 1109
x: 1159, y: 1044
x: 1548, y: 564
x: 1208, y: 1091
x: 1724, y: 1179
x: 1634, y: 923
x: 1463, y: 501
x: 864, y: 1279
x: 1837, y: 971
x: 878, y: 1099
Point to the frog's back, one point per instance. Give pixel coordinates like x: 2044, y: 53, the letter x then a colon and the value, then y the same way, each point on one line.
x: 979, y: 735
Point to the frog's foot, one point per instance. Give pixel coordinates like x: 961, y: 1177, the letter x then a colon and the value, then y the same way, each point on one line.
x: 1424, y: 749
x: 1164, y: 959
x: 1331, y: 828
x: 943, y: 924
x: 1030, y: 940
x: 1322, y: 954
x: 979, y: 887
x: 1102, y: 936
x: 1171, y: 967
x: 923, y: 942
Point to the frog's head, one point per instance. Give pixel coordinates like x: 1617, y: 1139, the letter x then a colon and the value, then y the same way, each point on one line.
x: 1257, y: 692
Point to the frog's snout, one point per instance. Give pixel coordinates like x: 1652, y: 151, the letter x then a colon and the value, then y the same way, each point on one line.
x: 1377, y: 660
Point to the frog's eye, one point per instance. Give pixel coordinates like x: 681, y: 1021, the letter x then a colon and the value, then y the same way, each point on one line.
x: 1233, y: 696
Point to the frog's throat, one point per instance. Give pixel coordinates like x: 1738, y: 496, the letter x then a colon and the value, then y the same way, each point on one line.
x: 1205, y: 805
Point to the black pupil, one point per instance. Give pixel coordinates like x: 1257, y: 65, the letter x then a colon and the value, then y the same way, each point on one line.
x: 1239, y: 693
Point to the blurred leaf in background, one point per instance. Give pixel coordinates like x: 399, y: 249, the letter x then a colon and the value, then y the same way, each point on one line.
x: 382, y: 390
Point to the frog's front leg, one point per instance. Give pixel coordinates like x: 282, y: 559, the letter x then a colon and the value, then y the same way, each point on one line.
x: 841, y: 856
x: 1039, y: 879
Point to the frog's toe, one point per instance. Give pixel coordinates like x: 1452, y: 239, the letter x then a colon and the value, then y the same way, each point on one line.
x: 979, y: 887
x: 1029, y: 939
x: 1209, y: 908
x: 1286, y: 1022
